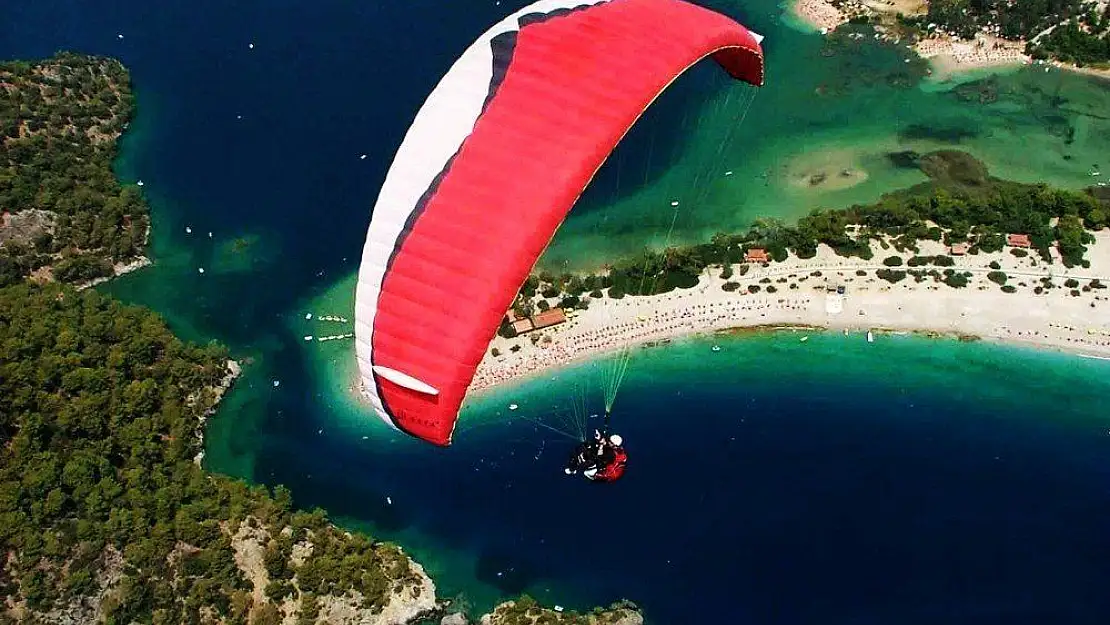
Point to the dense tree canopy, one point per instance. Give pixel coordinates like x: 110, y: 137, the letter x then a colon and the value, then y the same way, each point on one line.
x: 59, y: 124
x: 99, y: 412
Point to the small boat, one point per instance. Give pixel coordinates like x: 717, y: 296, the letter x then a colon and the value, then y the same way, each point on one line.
x: 870, y: 337
x: 803, y: 339
x: 308, y: 338
x: 728, y: 173
x: 513, y: 406
x: 389, y: 500
x: 674, y: 203
x: 188, y: 230
x: 716, y: 348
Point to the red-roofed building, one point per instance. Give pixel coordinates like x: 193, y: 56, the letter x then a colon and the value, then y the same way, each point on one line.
x: 545, y: 319
x: 959, y: 249
x: 1018, y: 240
x: 548, y: 318
x: 513, y: 317
x: 756, y: 255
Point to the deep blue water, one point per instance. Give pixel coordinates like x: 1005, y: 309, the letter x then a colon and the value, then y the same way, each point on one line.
x: 786, y: 490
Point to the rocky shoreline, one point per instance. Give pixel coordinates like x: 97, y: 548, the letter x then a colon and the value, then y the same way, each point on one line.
x: 234, y: 370
x: 118, y: 269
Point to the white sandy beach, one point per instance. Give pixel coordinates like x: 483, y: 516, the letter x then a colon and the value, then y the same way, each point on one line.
x: 1055, y: 319
x: 950, y: 54
x: 820, y: 14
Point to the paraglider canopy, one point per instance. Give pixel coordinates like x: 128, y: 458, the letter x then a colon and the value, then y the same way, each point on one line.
x: 494, y: 160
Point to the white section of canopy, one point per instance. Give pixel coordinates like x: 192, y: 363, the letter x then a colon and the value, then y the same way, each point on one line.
x: 441, y: 125
x: 405, y: 380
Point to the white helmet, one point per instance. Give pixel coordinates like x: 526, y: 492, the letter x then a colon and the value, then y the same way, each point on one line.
x: 616, y: 439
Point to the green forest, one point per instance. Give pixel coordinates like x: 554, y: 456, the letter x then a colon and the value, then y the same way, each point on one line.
x: 59, y: 125
x: 99, y: 413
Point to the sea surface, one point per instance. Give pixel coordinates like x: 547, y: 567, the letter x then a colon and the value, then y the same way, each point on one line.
x: 772, y: 481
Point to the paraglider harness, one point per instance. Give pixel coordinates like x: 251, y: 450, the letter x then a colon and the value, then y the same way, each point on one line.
x: 599, y: 460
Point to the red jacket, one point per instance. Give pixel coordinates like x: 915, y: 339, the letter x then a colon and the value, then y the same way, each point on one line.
x: 615, y: 469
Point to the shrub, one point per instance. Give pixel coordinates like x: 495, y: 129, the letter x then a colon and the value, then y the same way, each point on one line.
x: 753, y: 288
x: 997, y: 277
x: 1071, y: 283
x: 956, y: 280
x: 1017, y: 251
x: 891, y: 275
x: 893, y: 261
x: 1009, y: 289
x: 994, y: 265
x: 730, y: 286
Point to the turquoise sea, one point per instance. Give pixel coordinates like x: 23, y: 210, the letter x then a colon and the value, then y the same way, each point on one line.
x: 905, y: 481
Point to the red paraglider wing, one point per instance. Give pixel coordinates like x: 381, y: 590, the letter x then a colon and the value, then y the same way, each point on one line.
x: 506, y: 154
